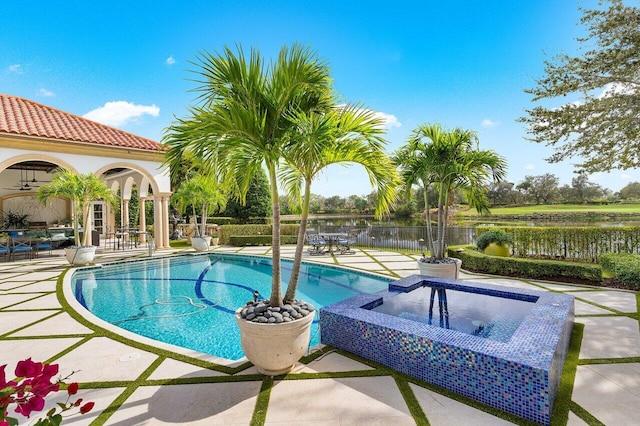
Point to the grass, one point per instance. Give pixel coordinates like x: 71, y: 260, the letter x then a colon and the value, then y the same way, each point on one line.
x: 558, y: 208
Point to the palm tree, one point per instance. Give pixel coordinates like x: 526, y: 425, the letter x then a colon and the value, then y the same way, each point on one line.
x: 246, y: 117
x: 81, y: 190
x: 347, y: 134
x: 204, y: 192
x: 448, y: 161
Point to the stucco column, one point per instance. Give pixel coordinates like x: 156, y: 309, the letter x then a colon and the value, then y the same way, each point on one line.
x: 161, y: 220
x: 125, y: 214
x: 157, y: 221
x: 143, y: 221
x: 165, y: 220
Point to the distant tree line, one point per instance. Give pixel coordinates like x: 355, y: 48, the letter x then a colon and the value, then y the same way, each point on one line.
x: 541, y: 189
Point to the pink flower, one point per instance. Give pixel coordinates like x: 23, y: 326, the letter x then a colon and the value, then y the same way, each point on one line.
x: 28, y: 368
x: 35, y: 403
x: 3, y: 383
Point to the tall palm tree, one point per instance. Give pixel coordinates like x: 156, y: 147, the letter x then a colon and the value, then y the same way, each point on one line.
x: 245, y: 119
x: 345, y: 134
x: 81, y: 190
x: 448, y: 161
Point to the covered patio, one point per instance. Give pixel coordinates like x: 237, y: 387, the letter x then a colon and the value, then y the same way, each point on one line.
x: 36, y: 140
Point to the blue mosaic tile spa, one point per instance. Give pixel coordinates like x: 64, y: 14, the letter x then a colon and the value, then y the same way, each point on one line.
x: 513, y: 364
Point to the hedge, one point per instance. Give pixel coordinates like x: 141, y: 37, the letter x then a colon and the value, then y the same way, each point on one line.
x: 625, y: 267
x: 531, y: 268
x: 583, y: 243
x: 260, y: 240
x: 228, y: 231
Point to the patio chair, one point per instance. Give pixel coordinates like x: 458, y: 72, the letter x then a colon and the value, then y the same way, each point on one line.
x: 344, y: 244
x: 19, y: 246
x: 42, y: 244
x: 5, y: 248
x: 316, y: 243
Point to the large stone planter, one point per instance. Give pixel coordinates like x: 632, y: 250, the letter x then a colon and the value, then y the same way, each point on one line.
x: 82, y: 255
x: 275, y: 348
x: 201, y: 244
x: 449, y: 270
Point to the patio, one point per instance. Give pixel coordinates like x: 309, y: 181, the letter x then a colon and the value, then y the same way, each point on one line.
x: 134, y: 383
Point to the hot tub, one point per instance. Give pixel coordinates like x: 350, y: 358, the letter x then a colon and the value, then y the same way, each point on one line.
x: 517, y: 372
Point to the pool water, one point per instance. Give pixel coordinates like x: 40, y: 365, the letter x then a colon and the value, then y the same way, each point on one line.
x: 190, y: 301
x: 481, y: 315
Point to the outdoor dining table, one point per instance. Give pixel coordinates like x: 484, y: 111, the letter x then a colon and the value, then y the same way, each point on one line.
x: 332, y: 239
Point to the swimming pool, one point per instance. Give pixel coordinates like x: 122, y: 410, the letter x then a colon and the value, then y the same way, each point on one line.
x: 190, y: 300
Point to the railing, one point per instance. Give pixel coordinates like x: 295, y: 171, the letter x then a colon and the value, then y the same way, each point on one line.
x: 401, y: 237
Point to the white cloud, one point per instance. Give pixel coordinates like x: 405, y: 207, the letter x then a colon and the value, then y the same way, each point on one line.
x: 489, y: 123
x: 170, y: 60
x: 119, y: 113
x: 390, y: 120
x: 530, y: 167
x: 46, y: 93
x: 15, y: 69
x: 618, y: 88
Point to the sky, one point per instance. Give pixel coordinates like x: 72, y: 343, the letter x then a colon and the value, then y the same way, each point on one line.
x: 465, y: 63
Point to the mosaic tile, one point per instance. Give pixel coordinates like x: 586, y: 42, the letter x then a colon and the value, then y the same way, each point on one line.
x: 520, y: 376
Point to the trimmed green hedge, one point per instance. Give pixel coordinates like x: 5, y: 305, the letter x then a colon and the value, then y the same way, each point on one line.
x: 580, y: 243
x: 530, y: 268
x: 228, y: 231
x: 260, y: 240
x: 625, y: 267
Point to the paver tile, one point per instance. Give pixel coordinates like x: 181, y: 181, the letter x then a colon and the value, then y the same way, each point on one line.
x: 609, y: 392
x: 198, y: 404
x: 620, y: 300
x: 609, y: 337
x: 441, y: 410
x: 353, y: 399
x: 102, y: 359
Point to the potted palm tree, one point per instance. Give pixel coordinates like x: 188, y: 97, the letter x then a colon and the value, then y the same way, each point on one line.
x: 81, y: 190
x: 204, y: 192
x: 249, y: 121
x: 446, y: 161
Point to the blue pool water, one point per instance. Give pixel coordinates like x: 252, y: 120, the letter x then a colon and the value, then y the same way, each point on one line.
x: 190, y: 301
x: 478, y: 314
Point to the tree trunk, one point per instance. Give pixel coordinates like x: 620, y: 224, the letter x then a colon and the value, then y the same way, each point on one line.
x: 292, y: 287
x: 276, y: 286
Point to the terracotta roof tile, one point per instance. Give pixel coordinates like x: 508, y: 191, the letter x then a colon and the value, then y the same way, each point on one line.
x: 24, y: 117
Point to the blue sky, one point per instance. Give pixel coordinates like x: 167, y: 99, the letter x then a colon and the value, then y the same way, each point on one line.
x: 459, y: 63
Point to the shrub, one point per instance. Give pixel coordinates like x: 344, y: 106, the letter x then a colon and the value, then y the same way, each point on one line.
x: 260, y: 240
x: 497, y: 236
x: 228, y: 231
x: 579, y: 243
x: 530, y: 268
x: 625, y: 267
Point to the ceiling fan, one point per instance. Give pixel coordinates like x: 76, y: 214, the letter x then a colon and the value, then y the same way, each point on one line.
x: 33, y: 178
x: 25, y: 184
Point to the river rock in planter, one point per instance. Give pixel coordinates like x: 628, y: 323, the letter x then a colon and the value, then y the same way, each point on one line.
x: 261, y: 311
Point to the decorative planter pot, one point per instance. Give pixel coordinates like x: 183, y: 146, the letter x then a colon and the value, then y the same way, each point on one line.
x: 441, y: 270
x: 201, y: 244
x: 275, y: 348
x: 494, y: 249
x: 215, y: 241
x: 82, y: 255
